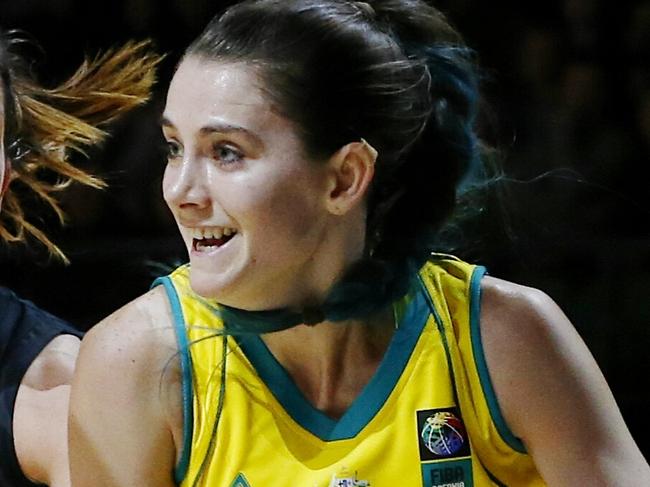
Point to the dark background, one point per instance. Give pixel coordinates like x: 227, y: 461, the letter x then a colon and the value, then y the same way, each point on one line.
x: 567, y: 96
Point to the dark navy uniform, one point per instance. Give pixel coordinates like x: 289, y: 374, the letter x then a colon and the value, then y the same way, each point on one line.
x: 25, y: 330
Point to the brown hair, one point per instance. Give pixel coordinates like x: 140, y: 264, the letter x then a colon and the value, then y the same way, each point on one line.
x: 44, y: 125
x: 392, y: 72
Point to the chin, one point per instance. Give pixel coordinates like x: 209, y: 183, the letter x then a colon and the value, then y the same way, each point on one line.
x: 208, y: 284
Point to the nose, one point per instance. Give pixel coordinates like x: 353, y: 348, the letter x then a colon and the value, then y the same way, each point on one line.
x: 185, y: 184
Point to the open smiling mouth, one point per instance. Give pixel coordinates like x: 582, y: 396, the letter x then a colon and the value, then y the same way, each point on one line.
x: 208, y: 239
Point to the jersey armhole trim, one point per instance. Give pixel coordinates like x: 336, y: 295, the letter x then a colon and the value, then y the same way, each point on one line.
x: 180, y: 471
x: 481, y: 364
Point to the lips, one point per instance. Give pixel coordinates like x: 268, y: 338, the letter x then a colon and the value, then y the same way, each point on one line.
x: 205, y: 239
x: 207, y: 244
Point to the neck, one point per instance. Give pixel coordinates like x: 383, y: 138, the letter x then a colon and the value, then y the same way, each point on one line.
x: 332, y: 362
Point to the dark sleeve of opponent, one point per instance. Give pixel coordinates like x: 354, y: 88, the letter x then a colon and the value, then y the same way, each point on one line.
x: 25, y: 330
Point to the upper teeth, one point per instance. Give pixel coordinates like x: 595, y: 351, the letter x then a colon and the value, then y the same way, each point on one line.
x: 212, y: 232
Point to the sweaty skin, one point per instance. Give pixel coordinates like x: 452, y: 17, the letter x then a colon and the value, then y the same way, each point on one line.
x: 235, y: 163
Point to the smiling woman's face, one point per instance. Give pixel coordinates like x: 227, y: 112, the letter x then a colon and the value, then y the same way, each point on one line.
x: 249, y: 205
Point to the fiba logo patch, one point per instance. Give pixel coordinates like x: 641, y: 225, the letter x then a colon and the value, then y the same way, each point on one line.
x: 442, y: 434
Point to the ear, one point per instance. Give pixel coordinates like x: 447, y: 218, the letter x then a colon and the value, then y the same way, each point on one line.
x: 351, y: 170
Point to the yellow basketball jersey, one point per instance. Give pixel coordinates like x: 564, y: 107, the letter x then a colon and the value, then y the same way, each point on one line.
x: 428, y: 417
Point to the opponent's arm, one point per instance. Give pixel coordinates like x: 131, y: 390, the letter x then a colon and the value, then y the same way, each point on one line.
x: 40, y: 422
x: 40, y: 434
x: 552, y: 393
x: 121, y: 425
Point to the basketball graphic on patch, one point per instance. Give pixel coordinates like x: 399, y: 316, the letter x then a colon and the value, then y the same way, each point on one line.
x: 443, y: 433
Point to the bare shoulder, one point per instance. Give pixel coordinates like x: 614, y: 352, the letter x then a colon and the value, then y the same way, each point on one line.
x: 551, y: 390
x: 517, y: 312
x: 124, y: 419
x: 135, y: 348
x: 149, y: 312
x: 528, y: 342
x: 141, y: 331
x: 523, y: 332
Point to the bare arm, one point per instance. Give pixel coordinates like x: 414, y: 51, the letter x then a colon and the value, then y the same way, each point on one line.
x: 122, y: 424
x: 40, y: 422
x: 552, y: 393
x: 40, y: 434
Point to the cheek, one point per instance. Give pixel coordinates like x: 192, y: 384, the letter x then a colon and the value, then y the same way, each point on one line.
x: 289, y: 210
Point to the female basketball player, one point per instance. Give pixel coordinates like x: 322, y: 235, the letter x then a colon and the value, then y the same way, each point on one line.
x: 38, y: 129
x: 315, y: 150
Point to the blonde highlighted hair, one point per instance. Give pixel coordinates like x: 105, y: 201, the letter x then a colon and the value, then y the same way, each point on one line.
x: 43, y: 126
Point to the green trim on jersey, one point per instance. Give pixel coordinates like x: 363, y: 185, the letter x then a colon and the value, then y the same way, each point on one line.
x: 180, y: 471
x: 374, y: 394
x: 481, y: 364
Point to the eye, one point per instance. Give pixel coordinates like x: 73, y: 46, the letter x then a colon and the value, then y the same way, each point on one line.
x: 227, y: 154
x: 173, y: 149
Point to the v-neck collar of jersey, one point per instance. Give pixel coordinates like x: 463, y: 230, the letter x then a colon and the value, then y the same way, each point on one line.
x: 414, y: 311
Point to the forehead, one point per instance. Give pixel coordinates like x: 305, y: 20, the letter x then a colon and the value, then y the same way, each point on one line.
x: 203, y: 90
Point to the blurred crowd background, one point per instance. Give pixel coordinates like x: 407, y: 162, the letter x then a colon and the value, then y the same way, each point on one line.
x: 566, y: 104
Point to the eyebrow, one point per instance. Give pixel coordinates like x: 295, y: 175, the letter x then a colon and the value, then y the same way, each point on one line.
x: 218, y: 127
